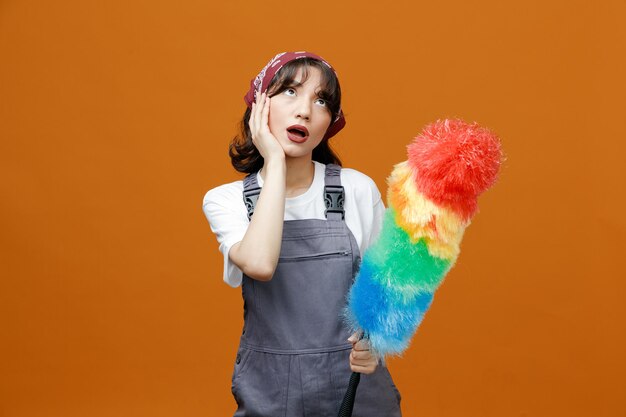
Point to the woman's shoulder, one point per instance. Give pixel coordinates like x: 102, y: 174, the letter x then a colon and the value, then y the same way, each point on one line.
x: 360, y: 187
x: 357, y: 180
x: 225, y: 194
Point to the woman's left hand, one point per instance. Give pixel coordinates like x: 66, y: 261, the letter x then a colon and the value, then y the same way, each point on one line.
x: 362, y: 360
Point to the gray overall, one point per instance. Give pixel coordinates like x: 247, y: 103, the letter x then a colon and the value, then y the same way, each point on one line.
x: 293, y: 357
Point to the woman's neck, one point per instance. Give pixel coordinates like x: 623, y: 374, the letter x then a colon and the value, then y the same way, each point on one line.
x: 299, y: 175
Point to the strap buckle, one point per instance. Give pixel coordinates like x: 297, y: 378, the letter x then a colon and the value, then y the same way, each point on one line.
x: 250, y: 197
x: 334, y: 196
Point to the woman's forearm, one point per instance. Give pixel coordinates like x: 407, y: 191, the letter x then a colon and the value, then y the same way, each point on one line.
x: 257, y: 254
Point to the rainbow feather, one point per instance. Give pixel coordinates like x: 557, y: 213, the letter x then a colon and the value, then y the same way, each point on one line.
x: 431, y: 199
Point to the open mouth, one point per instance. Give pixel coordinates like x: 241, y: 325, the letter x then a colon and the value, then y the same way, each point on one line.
x: 297, y: 133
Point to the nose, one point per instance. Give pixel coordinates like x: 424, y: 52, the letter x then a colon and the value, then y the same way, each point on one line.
x: 303, y: 109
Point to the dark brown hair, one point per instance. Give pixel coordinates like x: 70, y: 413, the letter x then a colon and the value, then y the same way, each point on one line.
x: 245, y: 157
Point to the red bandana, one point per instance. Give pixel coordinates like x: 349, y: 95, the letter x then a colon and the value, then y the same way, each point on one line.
x: 260, y: 83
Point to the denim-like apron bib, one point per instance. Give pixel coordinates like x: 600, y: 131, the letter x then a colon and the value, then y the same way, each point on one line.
x: 293, y: 357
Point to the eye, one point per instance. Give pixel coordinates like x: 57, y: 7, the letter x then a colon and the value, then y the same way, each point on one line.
x: 290, y: 91
x: 321, y: 102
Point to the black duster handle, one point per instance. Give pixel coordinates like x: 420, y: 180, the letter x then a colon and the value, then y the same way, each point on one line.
x: 348, y: 399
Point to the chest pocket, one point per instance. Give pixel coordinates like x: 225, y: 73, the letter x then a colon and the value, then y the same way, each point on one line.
x: 313, y: 256
x: 312, y: 243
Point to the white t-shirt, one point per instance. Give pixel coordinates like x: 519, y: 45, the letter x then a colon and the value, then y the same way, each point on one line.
x: 226, y: 212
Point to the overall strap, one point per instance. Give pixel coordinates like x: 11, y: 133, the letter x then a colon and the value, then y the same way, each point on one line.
x: 333, y: 193
x: 251, y: 191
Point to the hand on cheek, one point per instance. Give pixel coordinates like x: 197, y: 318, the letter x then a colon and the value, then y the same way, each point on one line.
x: 262, y: 137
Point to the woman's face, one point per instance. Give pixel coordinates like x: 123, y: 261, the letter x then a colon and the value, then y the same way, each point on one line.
x: 298, y: 118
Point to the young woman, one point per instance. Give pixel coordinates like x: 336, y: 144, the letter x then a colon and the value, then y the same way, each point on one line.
x: 292, y: 234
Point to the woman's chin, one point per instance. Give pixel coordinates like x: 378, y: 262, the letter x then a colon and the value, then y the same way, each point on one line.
x: 297, y: 153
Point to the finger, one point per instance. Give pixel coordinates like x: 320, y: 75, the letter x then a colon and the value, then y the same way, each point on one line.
x: 266, y: 112
x: 363, y: 361
x: 361, y: 369
x: 251, y: 120
x: 362, y: 345
x: 259, y: 110
x: 361, y: 355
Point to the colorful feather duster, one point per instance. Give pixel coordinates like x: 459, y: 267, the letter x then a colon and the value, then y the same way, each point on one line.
x: 431, y: 199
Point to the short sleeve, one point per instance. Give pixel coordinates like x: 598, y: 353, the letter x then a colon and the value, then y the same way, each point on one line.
x: 224, y: 209
x: 364, y: 207
x: 377, y: 223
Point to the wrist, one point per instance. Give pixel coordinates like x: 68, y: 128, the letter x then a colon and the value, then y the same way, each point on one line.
x: 274, y: 168
x: 275, y: 163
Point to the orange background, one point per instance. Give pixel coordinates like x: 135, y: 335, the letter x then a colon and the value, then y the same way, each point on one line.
x: 115, y: 119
